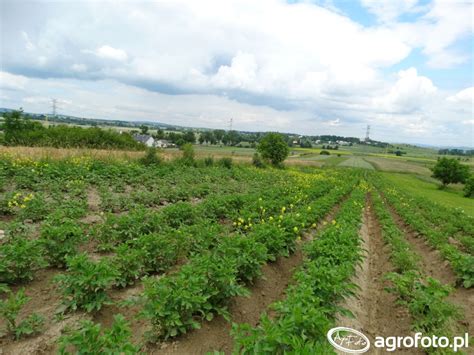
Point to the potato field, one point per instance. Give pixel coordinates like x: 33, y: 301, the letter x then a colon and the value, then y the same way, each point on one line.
x: 111, y: 257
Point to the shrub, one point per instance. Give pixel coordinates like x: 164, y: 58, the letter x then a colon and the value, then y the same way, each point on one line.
x: 273, y: 148
x: 89, y: 338
x: 188, y: 153
x: 151, y: 157
x: 225, y: 162
x: 209, y: 161
x: 258, y: 161
x: 469, y: 187
x: 85, y: 284
x: 10, y: 308
x: 324, y: 152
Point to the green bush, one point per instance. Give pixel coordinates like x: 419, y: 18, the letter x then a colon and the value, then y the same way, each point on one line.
x: 188, y: 154
x: 469, y: 187
x: 225, y: 162
x: 257, y: 161
x: 324, y: 152
x: 209, y: 161
x: 151, y: 157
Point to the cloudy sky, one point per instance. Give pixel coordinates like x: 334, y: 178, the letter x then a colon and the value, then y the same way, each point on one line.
x: 311, y: 67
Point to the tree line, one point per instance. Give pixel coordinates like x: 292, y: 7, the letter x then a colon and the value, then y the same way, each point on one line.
x: 19, y: 129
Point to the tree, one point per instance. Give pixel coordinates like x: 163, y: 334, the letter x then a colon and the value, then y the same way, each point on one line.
x: 144, y: 129
x: 219, y: 134
x: 450, y: 171
x: 189, y: 137
x: 273, y: 148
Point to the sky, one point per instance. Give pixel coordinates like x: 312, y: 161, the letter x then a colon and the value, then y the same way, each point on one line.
x: 310, y: 67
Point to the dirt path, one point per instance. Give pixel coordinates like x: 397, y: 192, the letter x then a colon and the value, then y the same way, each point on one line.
x: 432, y: 264
x: 375, y: 310
x: 215, y: 335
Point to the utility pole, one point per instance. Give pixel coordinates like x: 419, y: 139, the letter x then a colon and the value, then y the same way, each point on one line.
x: 54, y: 106
x: 367, y: 138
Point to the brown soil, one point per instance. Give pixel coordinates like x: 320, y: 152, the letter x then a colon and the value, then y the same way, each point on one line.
x: 44, y: 300
x: 93, y: 199
x: 376, y: 311
x: 435, y: 266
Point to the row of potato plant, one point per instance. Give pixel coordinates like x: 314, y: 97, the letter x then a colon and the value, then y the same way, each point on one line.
x: 152, y: 242
x: 434, y: 232
x: 424, y: 297
x: 302, y: 320
x: 177, y: 303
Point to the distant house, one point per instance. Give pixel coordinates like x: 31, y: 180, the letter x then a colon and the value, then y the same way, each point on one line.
x: 149, y: 141
x: 163, y: 143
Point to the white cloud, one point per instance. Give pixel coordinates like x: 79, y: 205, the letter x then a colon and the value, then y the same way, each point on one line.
x: 437, y: 31
x: 11, y: 81
x: 334, y: 123
x: 465, y: 96
x: 108, y: 52
x: 80, y: 68
x: 390, y: 10
x: 28, y: 44
x: 408, y: 94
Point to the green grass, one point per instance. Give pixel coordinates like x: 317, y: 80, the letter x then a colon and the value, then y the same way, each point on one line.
x: 451, y: 197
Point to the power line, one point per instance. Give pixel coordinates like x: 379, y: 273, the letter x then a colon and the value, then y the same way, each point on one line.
x: 367, y: 138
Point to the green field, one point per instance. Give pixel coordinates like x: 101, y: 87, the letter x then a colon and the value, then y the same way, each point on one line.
x: 356, y: 162
x: 420, y: 187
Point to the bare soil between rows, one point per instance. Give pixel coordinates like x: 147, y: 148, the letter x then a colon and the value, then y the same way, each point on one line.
x: 375, y: 310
